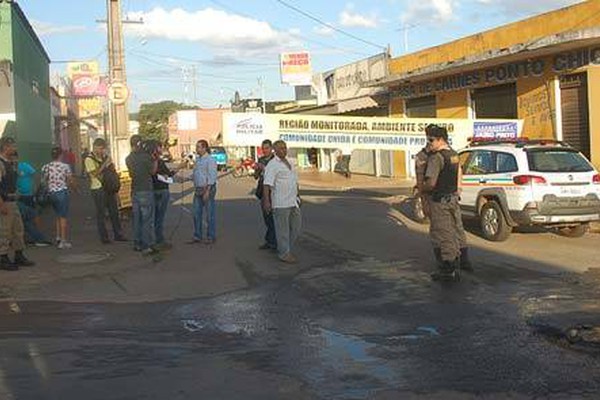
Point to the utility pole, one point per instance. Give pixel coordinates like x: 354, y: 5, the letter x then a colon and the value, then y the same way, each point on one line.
x: 118, y: 92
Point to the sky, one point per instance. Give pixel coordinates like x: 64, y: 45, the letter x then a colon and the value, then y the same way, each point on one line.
x: 233, y: 45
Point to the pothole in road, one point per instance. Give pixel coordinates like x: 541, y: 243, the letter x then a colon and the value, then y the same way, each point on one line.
x: 83, y: 258
x: 570, y: 320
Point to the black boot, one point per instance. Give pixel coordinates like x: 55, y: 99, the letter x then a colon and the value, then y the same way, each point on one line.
x: 437, y: 252
x: 21, y: 260
x: 448, y: 271
x: 7, y: 265
x: 465, y: 263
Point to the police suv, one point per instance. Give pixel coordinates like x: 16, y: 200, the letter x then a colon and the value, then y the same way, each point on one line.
x: 520, y: 182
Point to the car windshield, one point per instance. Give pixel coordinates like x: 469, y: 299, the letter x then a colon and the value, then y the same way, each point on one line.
x: 557, y: 161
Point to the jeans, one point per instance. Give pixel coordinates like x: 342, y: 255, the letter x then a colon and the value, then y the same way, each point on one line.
x: 199, y: 206
x: 270, y: 237
x: 288, y: 222
x: 28, y: 214
x: 161, y: 203
x: 104, y: 201
x: 143, y: 220
x: 60, y: 203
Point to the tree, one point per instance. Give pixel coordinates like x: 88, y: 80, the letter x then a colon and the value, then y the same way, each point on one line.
x: 154, y: 118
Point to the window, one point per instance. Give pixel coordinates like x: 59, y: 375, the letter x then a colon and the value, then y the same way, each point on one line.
x: 480, y: 163
x: 495, y: 102
x: 506, y: 162
x: 422, y: 107
x: 557, y: 161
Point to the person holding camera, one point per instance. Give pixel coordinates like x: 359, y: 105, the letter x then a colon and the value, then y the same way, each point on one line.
x: 142, y: 166
x: 98, y: 166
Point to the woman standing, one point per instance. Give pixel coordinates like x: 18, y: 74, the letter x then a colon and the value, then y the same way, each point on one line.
x: 58, y: 178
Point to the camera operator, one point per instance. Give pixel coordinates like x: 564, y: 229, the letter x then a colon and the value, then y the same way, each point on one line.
x: 142, y: 165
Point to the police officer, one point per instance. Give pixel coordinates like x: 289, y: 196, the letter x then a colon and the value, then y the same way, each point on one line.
x: 11, y: 224
x: 420, y: 168
x: 446, y: 229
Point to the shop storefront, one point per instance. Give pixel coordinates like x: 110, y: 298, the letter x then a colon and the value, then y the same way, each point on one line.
x: 544, y: 71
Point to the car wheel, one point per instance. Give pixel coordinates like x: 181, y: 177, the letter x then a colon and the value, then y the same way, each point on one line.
x: 493, y: 223
x: 574, y: 231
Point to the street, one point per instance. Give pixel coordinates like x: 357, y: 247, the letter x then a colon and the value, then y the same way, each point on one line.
x: 356, y: 318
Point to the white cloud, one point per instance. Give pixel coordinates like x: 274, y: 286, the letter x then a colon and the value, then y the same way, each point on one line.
x: 351, y: 19
x: 430, y: 10
x: 214, y: 28
x: 323, y: 30
x: 47, y: 28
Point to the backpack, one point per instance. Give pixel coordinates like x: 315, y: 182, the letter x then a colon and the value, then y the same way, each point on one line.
x: 109, y: 178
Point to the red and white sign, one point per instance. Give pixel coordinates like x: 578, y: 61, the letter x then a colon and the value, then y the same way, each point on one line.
x: 88, y: 85
x: 296, y: 69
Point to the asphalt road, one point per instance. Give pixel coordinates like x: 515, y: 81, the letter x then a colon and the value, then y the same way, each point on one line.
x: 357, y: 318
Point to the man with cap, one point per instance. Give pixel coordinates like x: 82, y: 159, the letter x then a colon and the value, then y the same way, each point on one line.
x: 446, y: 228
x: 11, y: 224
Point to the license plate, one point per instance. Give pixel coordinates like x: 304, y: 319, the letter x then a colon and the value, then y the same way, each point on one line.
x: 571, y: 191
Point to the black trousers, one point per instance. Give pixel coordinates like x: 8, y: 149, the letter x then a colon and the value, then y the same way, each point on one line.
x: 104, y: 201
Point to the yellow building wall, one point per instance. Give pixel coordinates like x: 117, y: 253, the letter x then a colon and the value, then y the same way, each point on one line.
x: 576, y: 17
x: 594, y: 107
x: 397, y: 108
x: 536, y: 106
x: 452, y: 104
x: 398, y: 157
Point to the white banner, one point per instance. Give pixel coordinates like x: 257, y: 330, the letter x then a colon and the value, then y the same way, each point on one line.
x: 327, y: 132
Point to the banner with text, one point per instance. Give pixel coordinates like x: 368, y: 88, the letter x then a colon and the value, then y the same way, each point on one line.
x: 307, y: 131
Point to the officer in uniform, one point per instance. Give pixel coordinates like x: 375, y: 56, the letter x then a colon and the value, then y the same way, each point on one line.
x: 420, y: 168
x: 11, y: 224
x: 446, y: 229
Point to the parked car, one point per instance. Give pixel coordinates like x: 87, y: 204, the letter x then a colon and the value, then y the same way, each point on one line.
x: 547, y: 183
x: 220, y: 156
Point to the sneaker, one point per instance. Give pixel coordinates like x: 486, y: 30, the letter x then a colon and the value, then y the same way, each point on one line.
x: 42, y: 244
x: 288, y: 258
x: 150, y: 251
x: 164, y: 246
x: 194, y: 241
x: 121, y: 238
x: 63, y: 245
x: 267, y: 246
x: 209, y: 241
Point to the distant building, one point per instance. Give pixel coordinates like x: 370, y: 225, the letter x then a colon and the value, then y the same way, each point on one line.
x: 25, y: 110
x: 544, y: 70
x: 188, y: 126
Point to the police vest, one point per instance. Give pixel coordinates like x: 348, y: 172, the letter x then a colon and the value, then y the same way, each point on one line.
x: 8, y: 184
x: 447, y: 182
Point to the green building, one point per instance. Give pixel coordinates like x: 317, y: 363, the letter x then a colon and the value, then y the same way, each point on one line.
x: 25, y: 111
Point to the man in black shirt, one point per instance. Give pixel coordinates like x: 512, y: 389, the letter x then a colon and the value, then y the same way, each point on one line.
x: 142, y: 167
x: 267, y: 151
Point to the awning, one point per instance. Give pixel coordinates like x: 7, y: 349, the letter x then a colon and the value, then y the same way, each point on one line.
x: 344, y: 106
x: 536, y: 48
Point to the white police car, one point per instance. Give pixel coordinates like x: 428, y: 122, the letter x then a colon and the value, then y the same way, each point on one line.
x: 519, y: 182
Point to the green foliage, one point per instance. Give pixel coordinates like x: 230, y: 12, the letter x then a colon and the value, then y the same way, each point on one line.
x: 154, y: 118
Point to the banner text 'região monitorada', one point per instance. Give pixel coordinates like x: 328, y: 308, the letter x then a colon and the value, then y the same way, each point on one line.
x: 297, y: 125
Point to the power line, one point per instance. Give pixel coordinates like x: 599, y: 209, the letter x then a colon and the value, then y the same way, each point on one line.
x: 320, y: 21
x: 297, y: 35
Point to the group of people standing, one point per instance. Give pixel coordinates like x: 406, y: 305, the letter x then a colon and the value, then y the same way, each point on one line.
x: 277, y: 189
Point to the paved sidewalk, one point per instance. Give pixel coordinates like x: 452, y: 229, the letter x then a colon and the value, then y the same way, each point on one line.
x: 361, y: 183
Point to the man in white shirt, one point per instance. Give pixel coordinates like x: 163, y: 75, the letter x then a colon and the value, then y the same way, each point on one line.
x: 281, y: 197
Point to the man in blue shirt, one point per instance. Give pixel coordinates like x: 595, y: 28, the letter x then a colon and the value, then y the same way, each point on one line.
x: 205, y: 184
x: 26, y: 203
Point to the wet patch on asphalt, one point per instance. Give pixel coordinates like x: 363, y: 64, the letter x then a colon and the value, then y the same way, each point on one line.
x: 347, y: 329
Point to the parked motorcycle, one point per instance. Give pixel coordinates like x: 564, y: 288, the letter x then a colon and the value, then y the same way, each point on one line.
x: 246, y: 167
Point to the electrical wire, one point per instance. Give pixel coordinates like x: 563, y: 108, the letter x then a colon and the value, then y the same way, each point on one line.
x: 297, y: 35
x: 330, y: 26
